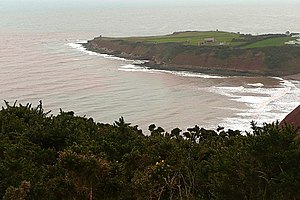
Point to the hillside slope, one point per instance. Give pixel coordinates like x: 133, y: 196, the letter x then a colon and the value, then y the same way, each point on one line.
x: 276, y: 60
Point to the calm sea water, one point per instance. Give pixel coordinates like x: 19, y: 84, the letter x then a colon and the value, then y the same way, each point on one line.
x: 40, y: 59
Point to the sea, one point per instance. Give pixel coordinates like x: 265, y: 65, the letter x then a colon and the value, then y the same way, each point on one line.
x: 42, y: 58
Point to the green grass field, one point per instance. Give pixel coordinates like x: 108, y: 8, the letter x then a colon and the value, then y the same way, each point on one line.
x: 190, y: 38
x: 220, y: 38
x: 275, y: 42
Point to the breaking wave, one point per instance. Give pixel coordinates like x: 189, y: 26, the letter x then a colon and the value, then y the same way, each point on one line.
x: 263, y: 104
x: 136, y: 68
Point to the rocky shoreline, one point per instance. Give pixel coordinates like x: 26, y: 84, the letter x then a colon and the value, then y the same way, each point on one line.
x: 194, y: 69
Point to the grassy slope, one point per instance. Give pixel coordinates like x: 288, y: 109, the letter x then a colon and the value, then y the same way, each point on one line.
x: 189, y: 38
x: 194, y: 37
x: 278, y: 59
x: 270, y: 42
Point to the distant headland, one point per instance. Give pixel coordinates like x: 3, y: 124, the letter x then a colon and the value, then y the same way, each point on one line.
x: 214, y: 52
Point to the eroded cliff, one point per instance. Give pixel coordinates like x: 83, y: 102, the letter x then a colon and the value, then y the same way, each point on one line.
x: 275, y: 61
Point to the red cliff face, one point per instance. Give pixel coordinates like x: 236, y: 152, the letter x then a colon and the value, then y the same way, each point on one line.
x: 265, y: 61
x: 244, y: 62
x: 293, y: 118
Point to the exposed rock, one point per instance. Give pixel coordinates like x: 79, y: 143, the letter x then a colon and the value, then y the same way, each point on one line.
x: 292, y: 119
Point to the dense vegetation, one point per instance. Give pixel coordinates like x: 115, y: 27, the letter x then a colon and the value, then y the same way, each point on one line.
x: 69, y: 157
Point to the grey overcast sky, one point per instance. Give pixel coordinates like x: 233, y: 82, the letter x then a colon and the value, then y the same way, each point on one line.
x: 48, y: 4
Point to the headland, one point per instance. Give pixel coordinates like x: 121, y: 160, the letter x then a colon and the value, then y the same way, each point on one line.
x: 213, y: 52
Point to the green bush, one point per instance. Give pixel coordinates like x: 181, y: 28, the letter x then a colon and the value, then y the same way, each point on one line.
x: 69, y: 157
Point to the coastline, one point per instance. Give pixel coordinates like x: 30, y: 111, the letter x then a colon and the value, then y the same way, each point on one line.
x: 171, y: 67
x: 252, y: 106
x: 195, y: 69
x: 189, y: 68
x: 270, y: 62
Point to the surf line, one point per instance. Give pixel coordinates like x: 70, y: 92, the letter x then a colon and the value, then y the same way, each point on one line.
x: 134, y: 65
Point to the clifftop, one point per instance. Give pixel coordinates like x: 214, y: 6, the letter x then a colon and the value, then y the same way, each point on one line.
x: 209, y: 51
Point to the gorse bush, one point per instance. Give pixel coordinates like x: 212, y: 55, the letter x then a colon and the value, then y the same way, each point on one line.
x: 69, y: 157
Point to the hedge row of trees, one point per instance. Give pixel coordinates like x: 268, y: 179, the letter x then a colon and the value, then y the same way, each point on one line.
x: 69, y: 157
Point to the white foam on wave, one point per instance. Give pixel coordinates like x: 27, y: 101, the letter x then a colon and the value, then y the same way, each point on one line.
x: 256, y: 84
x: 132, y: 67
x: 195, y: 75
x: 135, y: 68
x: 264, y: 104
x: 78, y: 45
